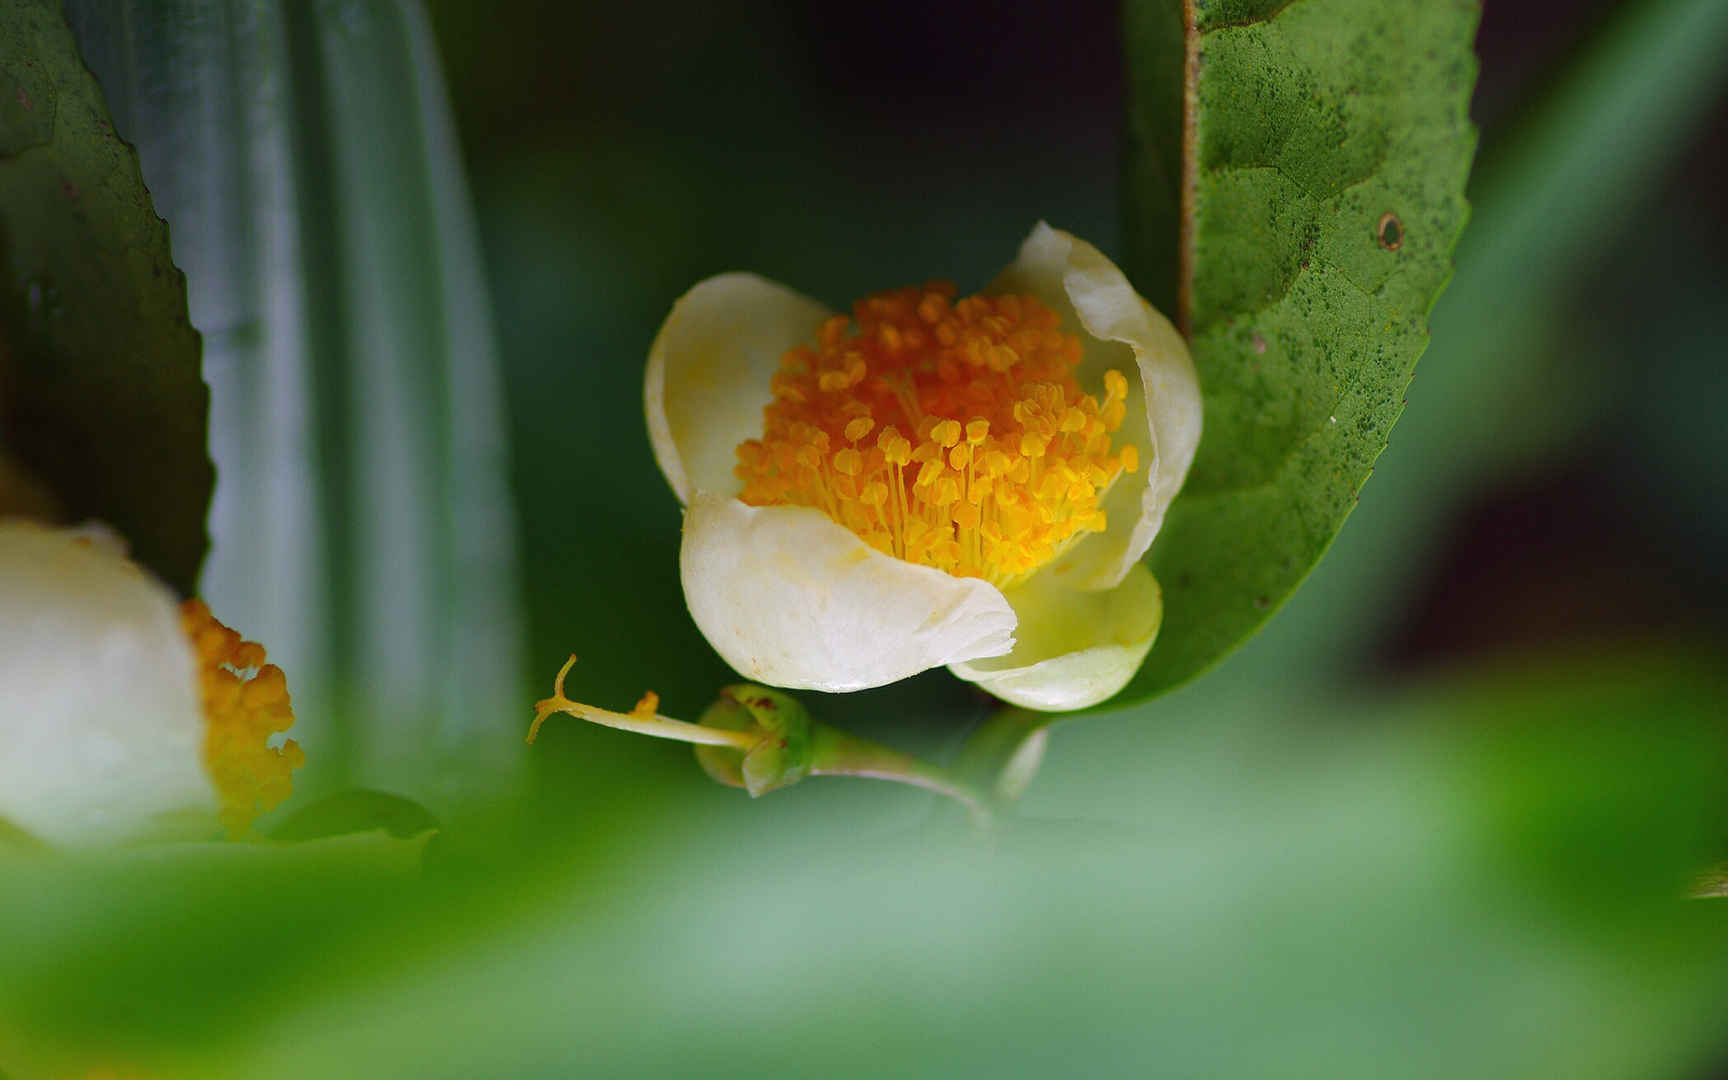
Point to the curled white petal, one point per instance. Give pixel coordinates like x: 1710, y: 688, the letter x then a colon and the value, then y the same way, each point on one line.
x: 1077, y: 648
x: 101, y: 728
x: 708, y: 375
x: 1119, y: 330
x: 790, y: 598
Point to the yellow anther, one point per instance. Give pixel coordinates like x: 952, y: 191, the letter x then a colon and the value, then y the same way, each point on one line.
x: 647, y: 707
x: 995, y: 459
x: 1130, y: 458
x: 249, y: 656
x: 267, y: 687
x: 833, y: 331
x: 894, y: 446
x: 245, y: 703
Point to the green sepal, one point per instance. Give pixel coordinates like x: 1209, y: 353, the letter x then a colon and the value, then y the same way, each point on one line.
x: 356, y: 810
x: 783, y: 755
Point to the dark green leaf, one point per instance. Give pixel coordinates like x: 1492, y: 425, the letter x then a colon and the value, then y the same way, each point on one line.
x: 1324, y: 146
x: 101, y: 402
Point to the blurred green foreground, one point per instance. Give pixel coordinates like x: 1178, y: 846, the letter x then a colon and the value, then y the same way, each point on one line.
x: 1312, y: 862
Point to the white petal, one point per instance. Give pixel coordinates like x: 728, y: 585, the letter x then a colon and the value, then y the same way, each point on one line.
x: 792, y: 599
x: 1076, y: 648
x: 101, y: 728
x: 1122, y: 331
x: 709, y: 371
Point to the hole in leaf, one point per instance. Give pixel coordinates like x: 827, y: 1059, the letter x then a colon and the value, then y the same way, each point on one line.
x: 1390, y: 231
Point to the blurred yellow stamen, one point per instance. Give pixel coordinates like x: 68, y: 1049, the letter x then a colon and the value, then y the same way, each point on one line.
x: 643, y: 719
x: 245, y: 703
x: 988, y: 459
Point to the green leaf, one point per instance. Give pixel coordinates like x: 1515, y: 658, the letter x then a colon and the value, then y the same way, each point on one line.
x: 1486, y: 878
x: 1323, y: 149
x: 1552, y: 200
x: 102, y: 408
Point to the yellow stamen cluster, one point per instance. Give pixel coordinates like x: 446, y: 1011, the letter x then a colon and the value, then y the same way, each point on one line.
x: 245, y: 703
x: 943, y: 432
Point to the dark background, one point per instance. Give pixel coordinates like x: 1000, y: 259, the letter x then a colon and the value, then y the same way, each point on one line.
x: 620, y: 153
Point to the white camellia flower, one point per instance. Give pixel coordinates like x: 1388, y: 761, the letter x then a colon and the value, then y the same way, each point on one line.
x: 935, y: 481
x: 124, y: 713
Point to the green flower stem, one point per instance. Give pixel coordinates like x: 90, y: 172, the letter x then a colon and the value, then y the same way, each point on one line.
x: 835, y: 753
x: 761, y: 739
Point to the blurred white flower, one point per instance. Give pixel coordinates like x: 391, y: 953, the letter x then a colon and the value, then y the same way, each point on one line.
x: 934, y: 481
x: 124, y: 714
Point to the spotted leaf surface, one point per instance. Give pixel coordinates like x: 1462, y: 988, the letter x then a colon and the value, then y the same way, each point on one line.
x: 1296, y: 183
x: 102, y: 407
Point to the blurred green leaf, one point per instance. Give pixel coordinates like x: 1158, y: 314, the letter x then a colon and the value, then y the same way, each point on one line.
x: 1321, y: 190
x: 101, y: 401
x: 363, y: 529
x: 1482, y: 878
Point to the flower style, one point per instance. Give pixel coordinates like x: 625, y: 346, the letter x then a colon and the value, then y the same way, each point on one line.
x: 934, y: 481
x: 122, y: 711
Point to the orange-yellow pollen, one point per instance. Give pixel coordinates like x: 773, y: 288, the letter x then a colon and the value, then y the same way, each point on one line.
x: 245, y: 703
x: 989, y: 459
